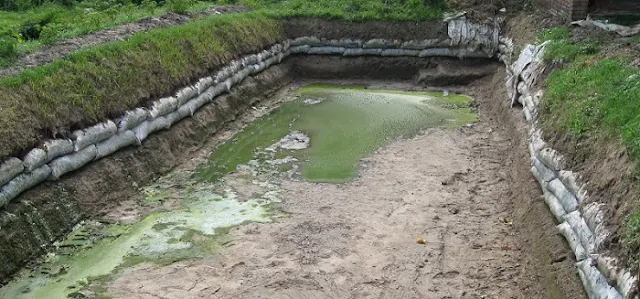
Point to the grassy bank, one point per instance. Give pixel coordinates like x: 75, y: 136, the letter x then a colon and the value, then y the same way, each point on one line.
x: 102, y: 82
x: 594, y: 98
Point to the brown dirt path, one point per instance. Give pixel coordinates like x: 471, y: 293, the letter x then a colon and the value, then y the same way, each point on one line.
x: 358, y: 240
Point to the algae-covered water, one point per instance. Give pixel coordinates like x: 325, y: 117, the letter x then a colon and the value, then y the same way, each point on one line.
x: 345, y: 124
x: 335, y: 127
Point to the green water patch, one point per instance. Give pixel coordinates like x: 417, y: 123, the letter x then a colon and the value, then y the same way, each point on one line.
x: 345, y: 124
x: 191, y: 230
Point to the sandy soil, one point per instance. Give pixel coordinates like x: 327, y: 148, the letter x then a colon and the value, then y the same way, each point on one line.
x: 358, y: 240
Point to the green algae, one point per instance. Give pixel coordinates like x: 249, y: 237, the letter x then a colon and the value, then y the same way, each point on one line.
x: 348, y: 124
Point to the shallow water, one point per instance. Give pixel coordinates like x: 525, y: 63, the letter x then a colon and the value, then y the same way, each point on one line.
x: 344, y: 124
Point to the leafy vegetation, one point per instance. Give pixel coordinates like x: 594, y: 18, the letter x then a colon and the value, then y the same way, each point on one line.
x: 103, y: 81
x: 354, y: 10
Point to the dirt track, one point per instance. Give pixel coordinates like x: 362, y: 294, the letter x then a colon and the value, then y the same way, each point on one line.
x: 358, y: 240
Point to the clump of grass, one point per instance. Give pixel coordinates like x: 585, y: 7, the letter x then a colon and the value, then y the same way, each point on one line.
x: 102, y: 82
x: 353, y: 10
x: 562, y: 48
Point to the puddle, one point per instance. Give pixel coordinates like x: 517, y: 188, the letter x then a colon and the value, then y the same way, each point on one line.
x: 344, y: 124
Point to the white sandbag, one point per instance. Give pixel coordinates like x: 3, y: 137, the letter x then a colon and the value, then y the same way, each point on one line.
x: 528, y: 115
x: 580, y: 227
x: 257, y: 68
x: 594, y: 282
x: 250, y: 60
x: 537, y: 96
x: 264, y: 55
x: 228, y: 84
x: 362, y: 52
x: 57, y: 147
x: 271, y: 61
x: 465, y: 34
x: 286, y: 44
x: 326, y: 51
x: 569, y: 202
x: 512, y: 93
x: 570, y: 180
x: 143, y: 130
x: 573, y: 240
x: 619, y: 277
x: 132, y: 118
x: 93, y: 134
x: 23, y: 182
x: 185, y: 94
x: 239, y: 76
x: 555, y: 206
x: 35, y: 158
x: 178, y: 115
x: 203, y: 84
x: 163, y: 107
x: 218, y: 89
x: 72, y: 162
x: 537, y: 141
x: 551, y: 158
x: 235, y: 66
x: 300, y: 49
x: 547, y: 174
x: 594, y: 216
x: 115, y: 143
x: 522, y: 88
x: 222, y: 75
x: 439, y: 52
x: 400, y: 52
x: 538, y: 176
x: 306, y: 41
x: 528, y: 102
x: 378, y: 43
x: 420, y: 44
x: 9, y: 169
x: 348, y: 43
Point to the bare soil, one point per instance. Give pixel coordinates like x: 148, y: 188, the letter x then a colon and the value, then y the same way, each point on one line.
x: 62, y: 48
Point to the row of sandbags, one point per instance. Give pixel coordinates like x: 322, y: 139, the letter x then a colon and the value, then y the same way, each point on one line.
x: 581, y: 222
x: 55, y: 158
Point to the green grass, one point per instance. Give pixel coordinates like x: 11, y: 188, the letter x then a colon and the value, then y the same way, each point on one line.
x: 563, y: 49
x: 101, y: 82
x: 352, y: 10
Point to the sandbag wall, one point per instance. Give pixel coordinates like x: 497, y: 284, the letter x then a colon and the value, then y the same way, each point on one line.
x: 581, y: 221
x: 58, y: 157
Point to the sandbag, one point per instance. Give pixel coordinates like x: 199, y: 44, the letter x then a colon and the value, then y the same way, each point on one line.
x: 143, y: 130
x: 400, y: 52
x: 537, y: 141
x: 192, y: 106
x: 538, y: 176
x: 250, y: 60
x: 93, y: 134
x: 35, y: 158
x: 528, y: 115
x: 115, y: 143
x: 537, y: 96
x: 72, y: 162
x: 464, y: 33
x: 547, y: 174
x: 522, y: 88
x: 439, y: 52
x: 555, y: 206
x: 378, y: 43
x: 177, y: 115
x: 346, y: 43
x: 551, y: 158
x: 621, y: 278
x: 306, y: 41
x: 57, y: 147
x: 326, y: 51
x: 132, y: 118
x: 570, y: 181
x: 594, y: 282
x: 569, y: 202
x: 185, y: 94
x: 420, y: 44
x: 10, y: 168
x: 525, y: 58
x: 218, y: 89
x: 512, y: 93
x: 528, y: 102
x: 222, y: 75
x: 163, y: 107
x: 202, y: 85
x: 573, y: 240
x: 580, y: 227
x: 228, y: 84
x: 594, y: 217
x: 23, y: 182
x: 300, y: 49
x: 362, y: 52
x: 271, y: 61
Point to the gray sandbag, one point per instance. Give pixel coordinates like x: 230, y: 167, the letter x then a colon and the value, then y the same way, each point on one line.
x: 300, y: 49
x: 538, y: 176
x: 228, y: 84
x: 570, y: 180
x: 10, y: 168
x: 378, y: 43
x: 362, y: 52
x: 326, y: 51
x: 620, y: 277
x: 35, y: 158
x: 217, y: 89
x: 547, y: 174
x: 528, y: 115
x: 250, y: 60
x: 243, y: 74
x: 551, y: 158
x: 57, y: 147
x: 537, y: 141
x: 522, y: 88
x: 525, y: 58
x: 277, y: 48
x: 264, y: 55
x: 555, y: 206
x: 235, y: 66
x: 23, y: 182
x: 72, y: 162
x: 143, y: 130
x: 185, y: 94
x: 222, y: 75
x: 271, y: 61
x: 257, y: 68
x: 440, y: 52
x: 569, y: 202
x: 595, y: 284
x: 192, y: 106
x: 132, y: 118
x: 573, y: 240
x: 594, y: 216
x: 178, y: 115
x: 163, y: 107
x: 307, y: 41
x: 580, y: 227
x: 537, y: 96
x: 93, y: 134
x: 420, y: 44
x: 115, y: 143
x: 521, y: 100
x: 512, y: 92
x: 286, y: 44
x: 203, y: 84
x: 348, y: 43
x: 400, y: 52
x: 528, y: 102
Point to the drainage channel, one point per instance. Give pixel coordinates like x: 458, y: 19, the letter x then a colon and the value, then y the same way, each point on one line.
x: 314, y: 137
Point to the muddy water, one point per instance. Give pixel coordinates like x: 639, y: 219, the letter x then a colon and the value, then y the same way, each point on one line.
x: 318, y: 134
